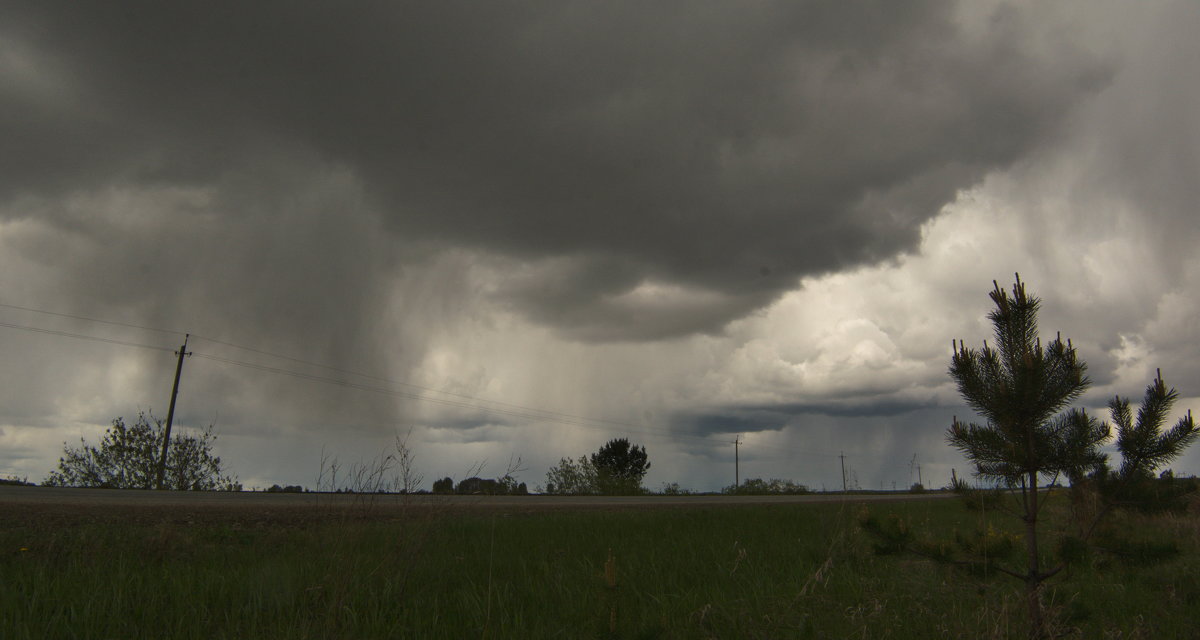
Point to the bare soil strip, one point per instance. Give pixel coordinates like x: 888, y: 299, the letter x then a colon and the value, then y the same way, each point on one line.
x: 64, y: 506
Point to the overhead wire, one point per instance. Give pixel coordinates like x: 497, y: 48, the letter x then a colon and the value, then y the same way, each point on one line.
x: 464, y: 401
x: 544, y: 412
x: 522, y: 411
x: 75, y: 317
x: 472, y: 402
x: 79, y: 336
x: 288, y: 358
x: 515, y: 411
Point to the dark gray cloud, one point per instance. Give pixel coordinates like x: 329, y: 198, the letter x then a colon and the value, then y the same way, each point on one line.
x: 598, y: 209
x: 721, y: 149
x: 776, y: 417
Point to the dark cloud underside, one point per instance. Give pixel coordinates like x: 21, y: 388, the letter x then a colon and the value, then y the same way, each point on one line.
x: 722, y: 149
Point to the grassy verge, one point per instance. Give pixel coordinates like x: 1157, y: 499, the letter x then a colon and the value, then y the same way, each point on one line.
x: 783, y: 571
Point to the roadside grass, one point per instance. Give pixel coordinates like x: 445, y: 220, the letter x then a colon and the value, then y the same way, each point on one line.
x: 773, y: 571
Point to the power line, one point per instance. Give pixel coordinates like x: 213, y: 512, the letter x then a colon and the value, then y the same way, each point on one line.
x: 80, y: 336
x: 526, y: 413
x: 516, y: 411
x: 473, y: 402
x: 74, y: 317
x: 512, y: 410
x: 463, y: 396
x: 541, y: 412
x: 464, y: 401
x: 314, y: 364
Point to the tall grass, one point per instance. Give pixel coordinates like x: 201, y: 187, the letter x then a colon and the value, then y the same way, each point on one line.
x: 779, y: 571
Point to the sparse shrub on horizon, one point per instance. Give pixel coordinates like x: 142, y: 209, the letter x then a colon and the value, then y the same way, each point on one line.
x: 506, y: 486
x: 572, y: 477
x: 760, y: 487
x: 673, y: 489
x: 128, y: 457
x: 15, y: 481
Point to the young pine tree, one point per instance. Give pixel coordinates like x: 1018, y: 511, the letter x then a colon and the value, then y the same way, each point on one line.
x: 1144, y: 447
x: 1022, y: 389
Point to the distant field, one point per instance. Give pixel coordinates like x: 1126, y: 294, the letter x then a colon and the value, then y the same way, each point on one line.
x: 365, y: 570
x: 50, y: 496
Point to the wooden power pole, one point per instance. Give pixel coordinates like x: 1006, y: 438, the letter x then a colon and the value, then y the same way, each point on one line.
x: 843, y: 459
x: 737, y: 478
x: 162, y: 460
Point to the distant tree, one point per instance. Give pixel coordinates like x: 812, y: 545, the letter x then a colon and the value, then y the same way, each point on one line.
x: 15, y: 481
x: 572, y: 477
x: 470, y: 486
x: 674, y: 489
x: 620, y: 467
x: 508, y: 485
x: 760, y: 487
x: 128, y: 456
x: 443, y: 486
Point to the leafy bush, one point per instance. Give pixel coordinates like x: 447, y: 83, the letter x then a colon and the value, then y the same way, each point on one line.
x: 506, y: 486
x: 128, y: 458
x: 760, y: 487
x: 673, y: 489
x: 572, y: 478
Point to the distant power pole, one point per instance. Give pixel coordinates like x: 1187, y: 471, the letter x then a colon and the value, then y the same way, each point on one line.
x: 737, y: 477
x: 842, y: 456
x: 162, y: 460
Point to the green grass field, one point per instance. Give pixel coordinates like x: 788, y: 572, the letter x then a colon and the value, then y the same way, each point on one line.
x: 786, y: 571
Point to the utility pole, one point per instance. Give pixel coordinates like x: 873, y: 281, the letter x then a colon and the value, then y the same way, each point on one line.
x: 162, y: 460
x: 919, y: 480
x: 737, y: 477
x: 842, y: 456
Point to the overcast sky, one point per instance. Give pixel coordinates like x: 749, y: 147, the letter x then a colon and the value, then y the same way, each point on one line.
x: 536, y: 226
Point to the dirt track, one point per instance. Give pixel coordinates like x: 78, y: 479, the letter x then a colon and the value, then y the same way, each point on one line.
x: 60, y: 504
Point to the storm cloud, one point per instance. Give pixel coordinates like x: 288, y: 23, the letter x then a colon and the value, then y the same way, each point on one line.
x: 562, y: 220
x: 615, y: 150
